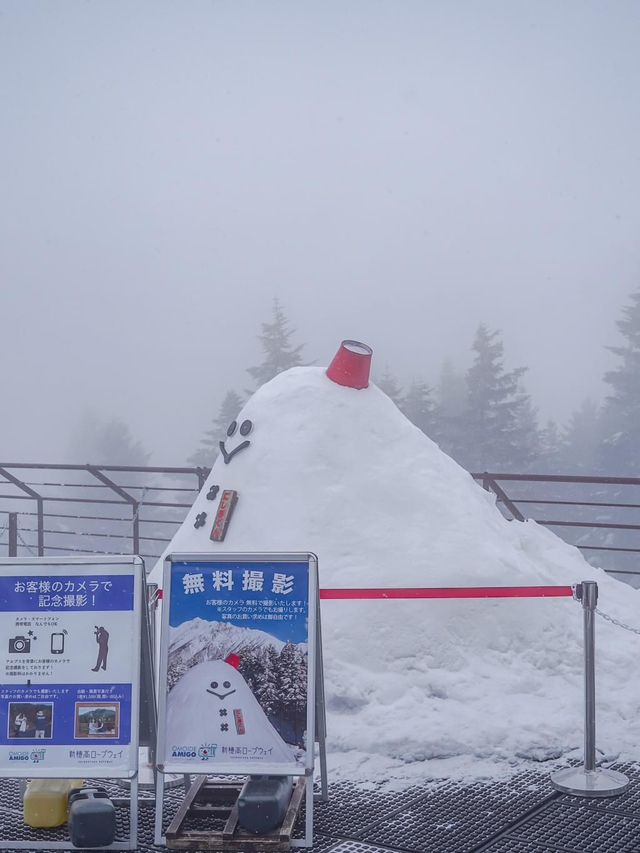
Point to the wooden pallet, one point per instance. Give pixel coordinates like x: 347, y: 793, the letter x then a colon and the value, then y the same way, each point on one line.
x: 212, y: 798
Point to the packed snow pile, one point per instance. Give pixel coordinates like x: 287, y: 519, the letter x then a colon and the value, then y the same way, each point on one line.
x: 342, y: 473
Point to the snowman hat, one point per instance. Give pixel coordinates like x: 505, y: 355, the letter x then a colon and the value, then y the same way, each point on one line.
x: 351, y: 365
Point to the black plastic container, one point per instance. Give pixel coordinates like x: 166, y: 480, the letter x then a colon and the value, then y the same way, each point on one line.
x: 264, y: 802
x: 92, y: 818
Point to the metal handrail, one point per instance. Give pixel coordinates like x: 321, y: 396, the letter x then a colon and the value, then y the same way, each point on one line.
x: 46, y: 495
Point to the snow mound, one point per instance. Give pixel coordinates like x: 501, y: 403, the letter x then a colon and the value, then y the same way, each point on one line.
x: 344, y: 474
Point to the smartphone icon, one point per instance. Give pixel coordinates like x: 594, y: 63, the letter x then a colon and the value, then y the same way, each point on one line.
x: 57, y: 644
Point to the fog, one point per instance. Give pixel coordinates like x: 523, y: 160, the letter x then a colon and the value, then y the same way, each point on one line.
x: 396, y: 172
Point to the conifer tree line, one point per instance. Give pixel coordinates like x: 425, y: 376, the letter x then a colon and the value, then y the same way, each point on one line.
x: 484, y: 417
x: 278, y: 680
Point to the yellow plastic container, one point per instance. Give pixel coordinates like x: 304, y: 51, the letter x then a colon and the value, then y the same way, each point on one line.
x: 45, y: 802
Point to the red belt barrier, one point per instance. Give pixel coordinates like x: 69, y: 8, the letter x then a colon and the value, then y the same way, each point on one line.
x: 451, y: 592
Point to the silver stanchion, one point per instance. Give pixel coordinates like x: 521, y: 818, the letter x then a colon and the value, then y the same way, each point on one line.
x: 589, y: 780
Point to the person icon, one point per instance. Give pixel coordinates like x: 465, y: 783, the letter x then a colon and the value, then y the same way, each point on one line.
x: 41, y: 723
x: 102, y: 639
x: 20, y: 725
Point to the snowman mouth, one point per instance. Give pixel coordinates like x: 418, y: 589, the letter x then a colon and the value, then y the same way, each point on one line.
x: 220, y: 695
x: 228, y: 455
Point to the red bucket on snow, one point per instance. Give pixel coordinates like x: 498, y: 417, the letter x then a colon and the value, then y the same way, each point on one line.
x: 351, y: 365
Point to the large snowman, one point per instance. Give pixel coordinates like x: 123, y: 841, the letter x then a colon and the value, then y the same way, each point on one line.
x: 213, y: 704
x: 322, y: 460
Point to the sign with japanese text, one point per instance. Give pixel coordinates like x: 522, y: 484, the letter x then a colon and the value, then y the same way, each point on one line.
x: 69, y: 685
x: 238, y: 661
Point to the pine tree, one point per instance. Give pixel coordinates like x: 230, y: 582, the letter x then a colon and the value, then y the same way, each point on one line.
x: 390, y: 385
x: 451, y: 391
x: 500, y: 428
x: 619, y: 450
x: 267, y: 689
x: 292, y: 688
x: 279, y: 354
x: 451, y: 394
x: 417, y: 404
x: 526, y: 436
x: 105, y: 442
x: 228, y: 412
x: 580, y: 440
x: 551, y: 449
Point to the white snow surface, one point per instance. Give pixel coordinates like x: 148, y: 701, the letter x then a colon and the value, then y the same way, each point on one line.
x: 419, y: 689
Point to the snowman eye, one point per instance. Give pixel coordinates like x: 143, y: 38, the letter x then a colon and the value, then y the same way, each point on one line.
x: 214, y: 684
x: 246, y: 427
x: 233, y: 426
x: 227, y: 685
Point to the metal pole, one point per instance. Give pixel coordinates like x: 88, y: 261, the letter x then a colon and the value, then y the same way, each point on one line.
x: 589, y: 780
x: 135, y: 507
x: 40, y: 504
x: 589, y: 603
x: 13, y: 534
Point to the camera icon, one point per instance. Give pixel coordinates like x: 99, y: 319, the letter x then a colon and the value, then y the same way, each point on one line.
x: 19, y: 645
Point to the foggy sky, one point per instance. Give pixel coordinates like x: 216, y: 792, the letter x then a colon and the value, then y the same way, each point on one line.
x: 395, y: 172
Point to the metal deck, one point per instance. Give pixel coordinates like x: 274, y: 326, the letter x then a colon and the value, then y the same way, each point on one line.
x: 522, y: 815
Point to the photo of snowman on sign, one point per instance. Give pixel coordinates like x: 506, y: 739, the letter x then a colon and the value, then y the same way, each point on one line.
x: 213, y: 707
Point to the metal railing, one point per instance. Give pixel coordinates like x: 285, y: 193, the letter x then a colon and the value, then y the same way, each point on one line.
x: 599, y: 515
x: 124, y: 509
x: 94, y: 509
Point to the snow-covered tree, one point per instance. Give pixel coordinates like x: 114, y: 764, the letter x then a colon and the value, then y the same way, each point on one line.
x: 451, y: 391
x: 292, y: 688
x: 580, y: 440
x: 499, y: 425
x: 451, y: 401
x: 266, y: 687
x: 418, y: 405
x: 105, y: 441
x: 208, y: 450
x: 390, y: 385
x: 552, y: 448
x: 279, y: 354
x: 619, y: 450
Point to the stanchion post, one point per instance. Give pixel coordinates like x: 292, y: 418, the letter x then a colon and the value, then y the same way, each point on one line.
x: 588, y: 780
x: 589, y: 604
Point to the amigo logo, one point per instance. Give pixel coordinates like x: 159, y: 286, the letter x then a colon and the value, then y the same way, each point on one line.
x: 207, y: 751
x: 37, y: 755
x: 183, y: 752
x: 18, y: 756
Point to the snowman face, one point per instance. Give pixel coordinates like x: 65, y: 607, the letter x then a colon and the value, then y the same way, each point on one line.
x: 245, y: 428
x: 223, y: 687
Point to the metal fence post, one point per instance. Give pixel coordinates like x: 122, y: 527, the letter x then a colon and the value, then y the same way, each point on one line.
x: 13, y: 534
x: 588, y: 780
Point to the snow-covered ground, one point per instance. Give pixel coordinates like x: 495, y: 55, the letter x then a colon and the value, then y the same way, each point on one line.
x: 420, y: 689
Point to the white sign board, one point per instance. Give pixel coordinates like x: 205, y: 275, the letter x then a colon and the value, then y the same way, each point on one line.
x: 238, y: 663
x: 70, y: 666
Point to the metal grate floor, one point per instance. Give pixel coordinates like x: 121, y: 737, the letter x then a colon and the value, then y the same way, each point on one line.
x: 522, y: 815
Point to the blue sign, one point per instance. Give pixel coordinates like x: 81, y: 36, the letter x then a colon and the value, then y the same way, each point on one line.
x: 238, y: 646
x: 271, y: 597
x: 69, y: 666
x: 66, y: 592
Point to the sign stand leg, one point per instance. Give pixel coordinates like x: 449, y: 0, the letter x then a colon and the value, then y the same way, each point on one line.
x: 589, y: 780
x: 133, y: 814
x: 158, y: 838
x: 321, y: 714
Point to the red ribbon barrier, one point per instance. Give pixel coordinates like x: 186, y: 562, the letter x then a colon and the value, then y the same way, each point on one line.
x: 450, y: 592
